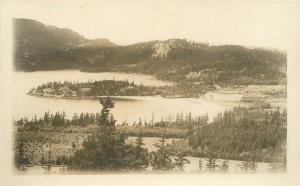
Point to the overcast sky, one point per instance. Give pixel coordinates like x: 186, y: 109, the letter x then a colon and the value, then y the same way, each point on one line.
x: 127, y: 22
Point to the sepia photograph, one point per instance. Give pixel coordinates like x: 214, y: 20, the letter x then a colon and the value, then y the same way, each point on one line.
x: 148, y: 87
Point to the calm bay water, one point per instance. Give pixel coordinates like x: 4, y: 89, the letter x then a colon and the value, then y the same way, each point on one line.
x: 125, y: 110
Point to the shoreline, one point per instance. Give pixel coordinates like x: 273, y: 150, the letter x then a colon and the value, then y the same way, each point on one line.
x: 124, y: 72
x: 119, y: 98
x: 125, y: 98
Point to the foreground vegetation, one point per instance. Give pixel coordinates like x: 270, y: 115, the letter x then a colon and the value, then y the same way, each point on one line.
x: 103, y: 149
x: 242, y: 135
x: 239, y: 134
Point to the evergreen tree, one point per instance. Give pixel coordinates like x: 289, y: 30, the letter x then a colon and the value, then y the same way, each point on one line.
x: 49, y: 158
x: 200, y: 164
x: 106, y: 149
x: 180, y: 160
x: 46, y: 118
x: 245, y: 166
x: 42, y: 161
x: 141, y: 159
x: 211, y: 163
x: 21, y: 158
x: 139, y: 142
x: 166, y: 158
x: 162, y: 158
x: 225, y: 166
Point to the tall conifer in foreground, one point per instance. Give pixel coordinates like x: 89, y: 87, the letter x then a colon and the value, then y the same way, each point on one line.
x: 106, y: 149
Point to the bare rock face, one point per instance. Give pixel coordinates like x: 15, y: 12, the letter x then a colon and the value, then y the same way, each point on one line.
x: 162, y: 49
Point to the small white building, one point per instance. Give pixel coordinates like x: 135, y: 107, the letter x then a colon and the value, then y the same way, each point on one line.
x: 193, y: 75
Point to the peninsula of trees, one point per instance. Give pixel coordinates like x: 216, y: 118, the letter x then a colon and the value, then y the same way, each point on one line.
x: 94, y: 89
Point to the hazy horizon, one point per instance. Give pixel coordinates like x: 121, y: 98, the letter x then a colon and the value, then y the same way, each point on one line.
x: 127, y: 22
x: 126, y: 44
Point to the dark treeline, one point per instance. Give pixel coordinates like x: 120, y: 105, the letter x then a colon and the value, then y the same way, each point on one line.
x: 53, y: 49
x: 116, y: 88
x: 222, y: 65
x: 242, y: 135
x: 105, y: 149
x: 94, y: 88
x: 177, y: 126
x: 239, y: 134
x: 58, y: 120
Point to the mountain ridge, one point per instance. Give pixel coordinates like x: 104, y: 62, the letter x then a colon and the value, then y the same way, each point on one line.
x: 52, y: 36
x: 41, y: 47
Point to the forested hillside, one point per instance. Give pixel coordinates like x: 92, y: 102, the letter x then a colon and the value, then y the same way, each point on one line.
x: 40, y: 47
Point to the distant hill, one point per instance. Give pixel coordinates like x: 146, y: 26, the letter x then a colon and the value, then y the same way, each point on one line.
x: 33, y: 40
x: 41, y: 47
x: 99, y: 43
x: 32, y: 35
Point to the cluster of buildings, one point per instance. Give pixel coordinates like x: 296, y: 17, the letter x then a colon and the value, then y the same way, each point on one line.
x: 61, y: 91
